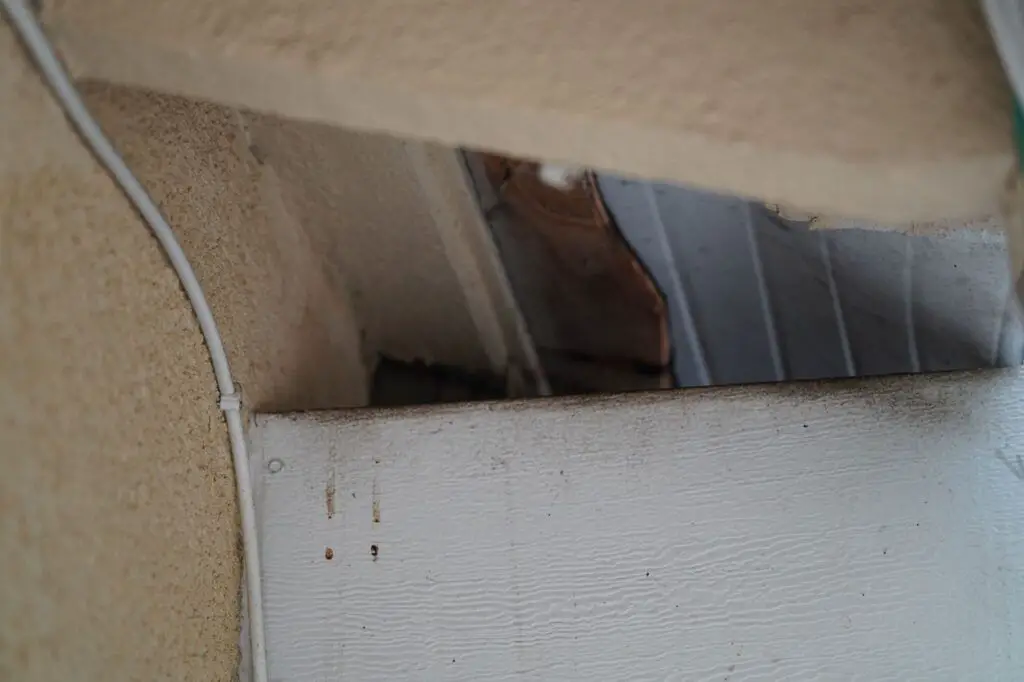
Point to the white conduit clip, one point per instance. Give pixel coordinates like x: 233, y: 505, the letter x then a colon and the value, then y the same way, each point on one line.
x: 39, y: 47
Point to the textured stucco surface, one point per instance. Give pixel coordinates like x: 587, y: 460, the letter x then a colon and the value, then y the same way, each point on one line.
x: 892, y: 111
x: 118, y: 538
x: 288, y: 325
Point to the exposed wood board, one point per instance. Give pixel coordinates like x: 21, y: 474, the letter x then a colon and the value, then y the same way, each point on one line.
x: 868, y: 530
x: 595, y: 314
x: 893, y: 111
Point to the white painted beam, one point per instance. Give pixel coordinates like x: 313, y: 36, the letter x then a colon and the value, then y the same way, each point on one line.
x: 862, y: 530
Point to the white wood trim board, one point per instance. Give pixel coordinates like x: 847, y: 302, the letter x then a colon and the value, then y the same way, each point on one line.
x: 868, y: 530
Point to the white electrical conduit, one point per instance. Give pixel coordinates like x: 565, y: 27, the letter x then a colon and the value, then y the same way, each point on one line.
x: 39, y: 47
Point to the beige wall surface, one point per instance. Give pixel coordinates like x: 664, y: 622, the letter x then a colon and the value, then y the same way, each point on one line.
x: 360, y: 200
x: 286, y: 315
x: 887, y: 111
x: 118, y: 538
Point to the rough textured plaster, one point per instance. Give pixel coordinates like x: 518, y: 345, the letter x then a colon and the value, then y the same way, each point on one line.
x: 895, y: 111
x: 118, y: 539
x: 288, y: 325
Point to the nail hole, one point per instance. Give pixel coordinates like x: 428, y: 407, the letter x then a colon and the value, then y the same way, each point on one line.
x: 275, y: 465
x: 328, y: 553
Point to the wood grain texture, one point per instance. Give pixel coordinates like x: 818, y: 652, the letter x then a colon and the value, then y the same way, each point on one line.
x: 596, y: 316
x: 891, y: 111
x: 863, y: 530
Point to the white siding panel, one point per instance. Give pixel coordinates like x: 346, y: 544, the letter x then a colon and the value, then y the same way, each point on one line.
x: 851, y: 531
x: 754, y: 297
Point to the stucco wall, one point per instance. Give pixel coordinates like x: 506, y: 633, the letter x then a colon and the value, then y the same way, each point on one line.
x: 892, y: 112
x: 118, y: 539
